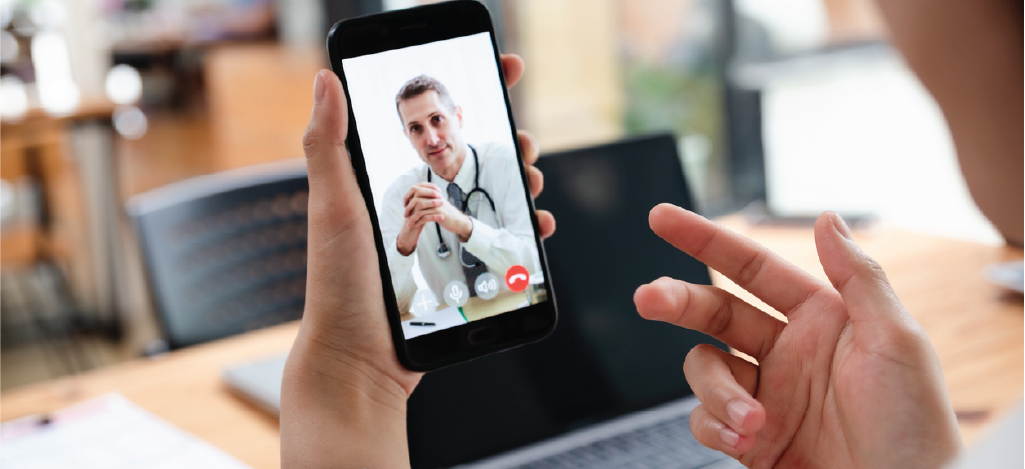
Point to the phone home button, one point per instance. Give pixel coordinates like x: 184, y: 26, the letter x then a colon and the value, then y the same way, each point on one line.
x: 481, y: 335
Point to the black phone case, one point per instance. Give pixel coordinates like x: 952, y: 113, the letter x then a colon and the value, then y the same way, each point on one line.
x: 465, y: 9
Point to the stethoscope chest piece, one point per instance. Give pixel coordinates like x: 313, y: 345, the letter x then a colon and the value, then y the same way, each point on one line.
x: 443, y: 250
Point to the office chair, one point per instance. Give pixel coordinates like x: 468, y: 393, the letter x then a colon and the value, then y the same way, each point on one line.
x: 225, y: 253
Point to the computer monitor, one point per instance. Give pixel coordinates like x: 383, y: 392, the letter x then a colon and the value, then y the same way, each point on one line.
x: 603, y: 360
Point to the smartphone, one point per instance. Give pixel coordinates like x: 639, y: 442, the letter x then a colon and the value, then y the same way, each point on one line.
x: 434, y: 146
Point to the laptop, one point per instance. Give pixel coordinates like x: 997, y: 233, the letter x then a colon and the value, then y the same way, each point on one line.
x: 606, y: 389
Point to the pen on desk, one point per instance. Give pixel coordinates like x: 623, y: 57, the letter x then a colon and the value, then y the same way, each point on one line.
x: 421, y: 323
x: 24, y: 426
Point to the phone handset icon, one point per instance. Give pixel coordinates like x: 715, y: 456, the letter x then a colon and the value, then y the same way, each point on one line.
x: 517, y: 278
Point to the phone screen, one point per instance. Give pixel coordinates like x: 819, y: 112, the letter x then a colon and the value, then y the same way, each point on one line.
x: 440, y: 155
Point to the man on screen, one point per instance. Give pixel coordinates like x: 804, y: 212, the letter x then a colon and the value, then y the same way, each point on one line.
x: 463, y: 212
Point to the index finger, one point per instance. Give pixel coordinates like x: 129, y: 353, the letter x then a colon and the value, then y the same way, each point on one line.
x: 754, y: 268
x: 428, y: 185
x: 427, y: 189
x: 421, y: 189
x: 512, y: 66
x: 529, y: 148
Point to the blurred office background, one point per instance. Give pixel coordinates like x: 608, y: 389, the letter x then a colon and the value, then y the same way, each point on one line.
x: 782, y: 109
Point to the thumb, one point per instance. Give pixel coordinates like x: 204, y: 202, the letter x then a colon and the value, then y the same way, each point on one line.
x: 862, y: 284
x: 330, y: 170
x: 340, y: 232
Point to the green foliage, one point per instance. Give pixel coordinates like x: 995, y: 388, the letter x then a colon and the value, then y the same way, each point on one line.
x: 678, y: 99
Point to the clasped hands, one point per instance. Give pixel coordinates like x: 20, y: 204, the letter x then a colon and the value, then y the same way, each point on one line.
x: 424, y: 203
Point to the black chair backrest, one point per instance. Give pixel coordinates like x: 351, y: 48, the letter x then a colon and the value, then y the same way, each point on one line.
x: 225, y: 253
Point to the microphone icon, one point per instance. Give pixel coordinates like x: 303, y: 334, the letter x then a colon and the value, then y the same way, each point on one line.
x: 456, y: 293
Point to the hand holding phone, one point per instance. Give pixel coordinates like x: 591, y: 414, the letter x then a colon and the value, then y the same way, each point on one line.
x: 437, y: 159
x: 343, y: 381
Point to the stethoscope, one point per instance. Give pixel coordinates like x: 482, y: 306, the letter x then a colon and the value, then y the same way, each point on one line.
x: 443, y: 250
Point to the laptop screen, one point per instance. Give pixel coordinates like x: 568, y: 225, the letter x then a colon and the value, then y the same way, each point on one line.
x: 603, y: 360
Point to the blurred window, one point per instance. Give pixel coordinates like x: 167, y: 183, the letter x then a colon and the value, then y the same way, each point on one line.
x: 603, y: 70
x: 769, y: 101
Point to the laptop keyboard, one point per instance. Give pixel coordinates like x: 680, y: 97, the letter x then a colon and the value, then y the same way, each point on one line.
x: 666, y: 444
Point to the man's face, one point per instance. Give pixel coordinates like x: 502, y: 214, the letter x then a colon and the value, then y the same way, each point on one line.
x: 432, y: 128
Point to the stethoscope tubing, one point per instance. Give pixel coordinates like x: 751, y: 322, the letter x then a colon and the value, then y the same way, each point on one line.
x: 443, y: 250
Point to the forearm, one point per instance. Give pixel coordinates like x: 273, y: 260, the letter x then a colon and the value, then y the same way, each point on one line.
x: 401, y: 268
x: 501, y: 249
x: 333, y: 415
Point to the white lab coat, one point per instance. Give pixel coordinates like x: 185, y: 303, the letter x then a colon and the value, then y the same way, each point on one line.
x: 499, y: 246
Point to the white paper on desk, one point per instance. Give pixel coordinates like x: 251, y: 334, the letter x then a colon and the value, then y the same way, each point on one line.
x: 107, y: 432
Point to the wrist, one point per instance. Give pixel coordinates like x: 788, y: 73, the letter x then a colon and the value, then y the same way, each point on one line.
x: 327, y: 396
x: 325, y: 368
x: 467, y: 229
x: 403, y: 249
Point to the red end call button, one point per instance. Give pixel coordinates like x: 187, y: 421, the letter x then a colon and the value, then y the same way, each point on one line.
x: 517, y: 278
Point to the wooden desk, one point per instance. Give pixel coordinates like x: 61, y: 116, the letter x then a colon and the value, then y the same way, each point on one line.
x: 477, y: 308
x: 260, y: 96
x: 182, y: 387
x: 974, y: 326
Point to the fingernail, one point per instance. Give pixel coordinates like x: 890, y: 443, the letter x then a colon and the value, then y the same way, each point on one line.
x: 841, y: 226
x: 319, y: 88
x: 729, y: 437
x: 737, y: 410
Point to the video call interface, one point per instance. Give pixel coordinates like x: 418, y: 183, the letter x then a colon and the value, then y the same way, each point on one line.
x: 446, y: 182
